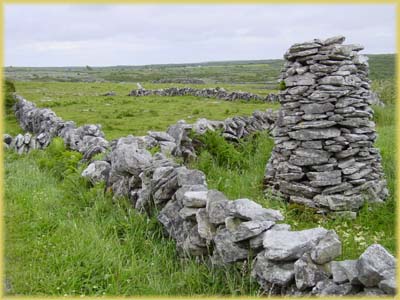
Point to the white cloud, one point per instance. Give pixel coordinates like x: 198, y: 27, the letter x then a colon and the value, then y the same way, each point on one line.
x: 51, y: 35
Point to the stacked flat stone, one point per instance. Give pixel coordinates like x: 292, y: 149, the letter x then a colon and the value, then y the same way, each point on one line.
x: 45, y: 124
x: 218, y: 93
x: 24, y: 143
x: 324, y: 155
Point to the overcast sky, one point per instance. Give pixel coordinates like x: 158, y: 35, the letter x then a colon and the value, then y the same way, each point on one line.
x: 100, y: 35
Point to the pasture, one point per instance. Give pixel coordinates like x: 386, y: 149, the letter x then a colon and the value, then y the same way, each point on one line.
x: 64, y: 237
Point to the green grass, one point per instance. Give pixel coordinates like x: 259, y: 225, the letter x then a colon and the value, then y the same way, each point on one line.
x: 122, y: 115
x: 66, y: 238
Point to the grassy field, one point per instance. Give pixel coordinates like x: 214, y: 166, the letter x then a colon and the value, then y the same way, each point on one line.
x: 64, y: 237
x: 122, y: 115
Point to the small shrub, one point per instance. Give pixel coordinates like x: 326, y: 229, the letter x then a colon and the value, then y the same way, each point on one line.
x: 59, y: 161
x: 282, y: 85
x: 9, y: 100
x: 195, y: 111
x: 223, y: 152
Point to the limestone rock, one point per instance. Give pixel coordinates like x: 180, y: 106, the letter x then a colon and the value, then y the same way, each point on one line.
x: 249, y: 210
x: 375, y: 265
x: 289, y: 245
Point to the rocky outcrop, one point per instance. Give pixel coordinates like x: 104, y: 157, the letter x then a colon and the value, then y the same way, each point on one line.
x: 324, y: 155
x: 218, y: 93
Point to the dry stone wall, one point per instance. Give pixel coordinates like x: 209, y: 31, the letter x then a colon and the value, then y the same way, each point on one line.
x: 324, y: 155
x: 89, y: 139
x: 218, y: 93
x: 204, y: 222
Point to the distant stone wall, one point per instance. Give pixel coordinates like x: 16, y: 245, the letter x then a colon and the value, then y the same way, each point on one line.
x: 89, y: 139
x: 218, y: 93
x: 324, y: 155
x: 180, y: 80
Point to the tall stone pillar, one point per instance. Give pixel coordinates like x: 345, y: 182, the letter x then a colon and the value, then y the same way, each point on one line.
x: 324, y: 153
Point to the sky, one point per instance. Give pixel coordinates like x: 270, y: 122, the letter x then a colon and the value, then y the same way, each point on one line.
x: 138, y: 34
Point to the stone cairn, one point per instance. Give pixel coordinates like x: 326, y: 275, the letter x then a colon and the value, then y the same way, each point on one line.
x: 324, y: 155
x: 218, y: 93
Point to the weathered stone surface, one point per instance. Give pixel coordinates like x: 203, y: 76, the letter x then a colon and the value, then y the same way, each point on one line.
x: 217, y: 208
x: 337, y: 202
x: 375, y: 265
x: 327, y: 178
x: 190, y: 177
x: 308, y: 157
x: 249, y: 210
x: 316, y: 108
x: 126, y: 158
x: 307, y: 274
x: 289, y: 245
x: 314, y: 124
x: 205, y: 228
x: 249, y: 229
x: 97, y: 171
x: 388, y: 285
x: 279, y: 273
x: 314, y: 134
x: 196, y: 199
x: 226, y: 251
x: 327, y: 249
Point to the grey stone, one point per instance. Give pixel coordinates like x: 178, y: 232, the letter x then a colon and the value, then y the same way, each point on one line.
x: 249, y: 210
x: 339, y: 39
x: 161, y: 136
x: 316, y: 108
x: 332, y: 80
x: 375, y: 265
x: 188, y: 212
x: 304, y: 79
x: 299, y: 189
x: 338, y: 188
x: 195, y: 199
x: 302, y: 200
x: 327, y: 178
x: 327, y: 249
x: 218, y: 208
x: 289, y: 245
x: 97, y: 171
x: 226, y: 250
x: 345, y: 271
x: 337, y: 202
x: 307, y: 274
x: 126, y: 158
x: 279, y: 273
x: 314, y: 134
x: 328, y: 287
x: 249, y: 229
x: 314, y: 124
x: 205, y: 228
x: 308, y: 157
x: 190, y: 177
x: 388, y: 285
